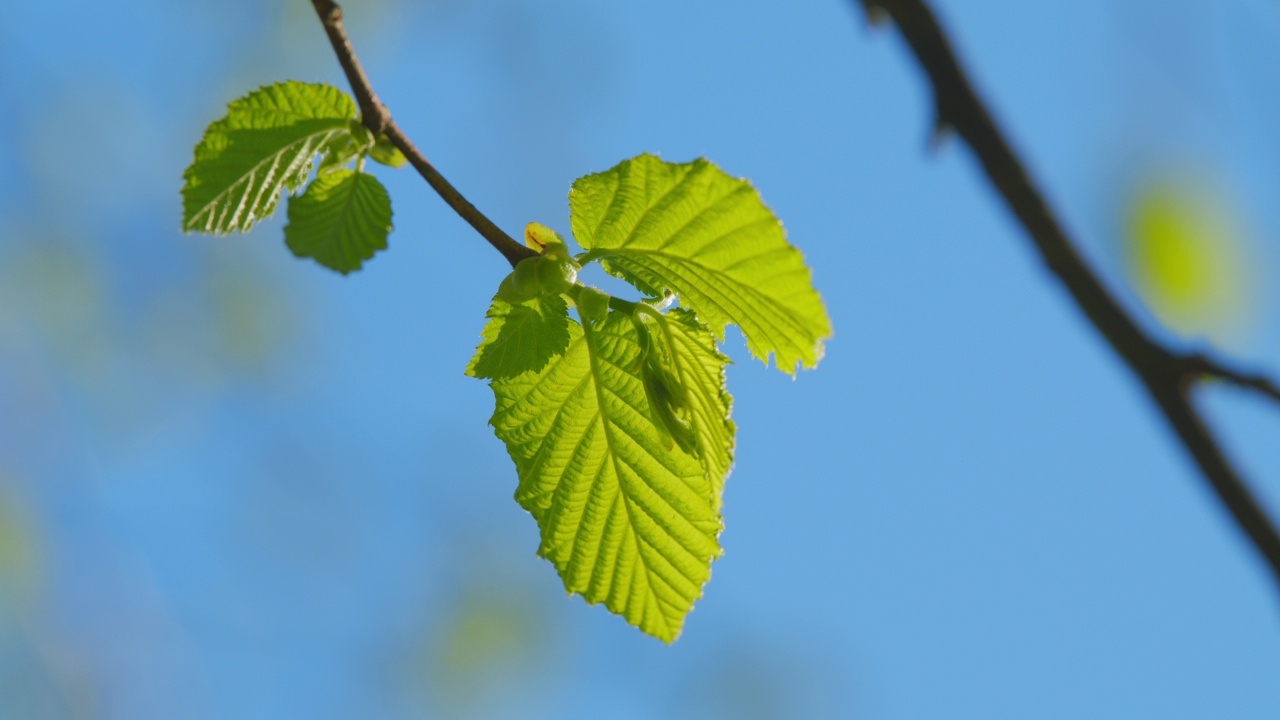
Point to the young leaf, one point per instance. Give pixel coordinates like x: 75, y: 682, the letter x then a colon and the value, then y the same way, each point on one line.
x: 627, y: 518
x: 521, y: 338
x: 387, y: 154
x: 265, y: 144
x: 687, y: 349
x: 707, y: 237
x: 338, y: 154
x: 342, y: 219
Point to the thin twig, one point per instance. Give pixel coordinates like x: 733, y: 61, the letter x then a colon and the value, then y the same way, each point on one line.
x: 1205, y: 366
x: 1168, y: 376
x: 373, y: 113
x: 377, y: 118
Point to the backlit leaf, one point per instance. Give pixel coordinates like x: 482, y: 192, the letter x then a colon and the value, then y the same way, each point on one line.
x: 264, y: 146
x: 690, y: 351
x: 342, y: 219
x: 521, y: 338
x: 626, y: 517
x: 706, y: 236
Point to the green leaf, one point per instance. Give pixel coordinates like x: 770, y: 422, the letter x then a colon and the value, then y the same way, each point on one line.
x: 342, y: 219
x: 707, y: 237
x: 264, y: 145
x: 1184, y: 254
x: 338, y: 154
x: 521, y: 338
x: 688, y: 350
x: 626, y: 517
x: 387, y: 154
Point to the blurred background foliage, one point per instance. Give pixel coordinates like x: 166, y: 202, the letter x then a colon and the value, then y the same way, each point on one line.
x: 1190, y: 260
x: 233, y: 485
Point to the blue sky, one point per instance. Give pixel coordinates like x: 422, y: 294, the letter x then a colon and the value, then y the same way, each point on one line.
x: 236, y: 485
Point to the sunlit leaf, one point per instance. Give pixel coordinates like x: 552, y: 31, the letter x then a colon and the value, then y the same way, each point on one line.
x: 706, y: 236
x: 627, y: 518
x: 521, y: 338
x: 265, y: 145
x: 342, y: 219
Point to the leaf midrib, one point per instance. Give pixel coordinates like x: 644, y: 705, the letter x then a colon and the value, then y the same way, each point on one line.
x: 337, y: 229
x: 589, y: 336
x: 621, y: 253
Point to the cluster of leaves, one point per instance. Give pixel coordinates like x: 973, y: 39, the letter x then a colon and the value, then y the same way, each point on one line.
x: 267, y: 144
x: 618, y: 421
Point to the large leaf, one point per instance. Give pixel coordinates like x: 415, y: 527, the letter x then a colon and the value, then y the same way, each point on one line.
x: 708, y: 237
x: 521, y: 338
x: 264, y: 145
x: 342, y: 219
x: 626, y: 517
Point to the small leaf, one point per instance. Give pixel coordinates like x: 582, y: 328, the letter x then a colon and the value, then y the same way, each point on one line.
x: 707, y: 237
x: 521, y: 338
x: 360, y: 134
x: 387, y: 154
x: 342, y: 219
x: 626, y: 519
x: 264, y: 145
x: 338, y: 154
x: 687, y: 349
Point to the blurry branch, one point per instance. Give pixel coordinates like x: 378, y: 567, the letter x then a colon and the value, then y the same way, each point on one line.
x: 1168, y: 375
x: 377, y: 118
x: 1208, y: 367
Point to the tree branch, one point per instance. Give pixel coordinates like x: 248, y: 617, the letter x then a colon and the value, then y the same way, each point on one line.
x: 1205, y: 366
x: 377, y: 118
x: 1168, y: 376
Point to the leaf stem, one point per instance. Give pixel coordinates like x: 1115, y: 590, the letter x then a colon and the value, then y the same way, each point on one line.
x: 1168, y: 376
x: 377, y: 118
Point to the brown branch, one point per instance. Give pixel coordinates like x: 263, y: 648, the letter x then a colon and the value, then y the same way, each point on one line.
x: 1169, y: 377
x: 377, y: 118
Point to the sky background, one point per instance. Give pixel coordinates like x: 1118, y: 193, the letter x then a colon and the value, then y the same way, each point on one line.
x: 234, y: 484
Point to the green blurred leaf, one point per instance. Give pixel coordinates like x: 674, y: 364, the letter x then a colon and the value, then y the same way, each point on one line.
x: 342, y: 219
x: 1184, y: 255
x: 20, y: 567
x: 707, y: 237
x: 264, y: 145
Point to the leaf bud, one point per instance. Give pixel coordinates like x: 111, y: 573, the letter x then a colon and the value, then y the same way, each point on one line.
x: 554, y: 275
x: 525, y: 277
x: 545, y: 240
x: 521, y: 284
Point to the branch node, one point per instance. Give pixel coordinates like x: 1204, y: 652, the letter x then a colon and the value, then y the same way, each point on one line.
x: 1198, y: 366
